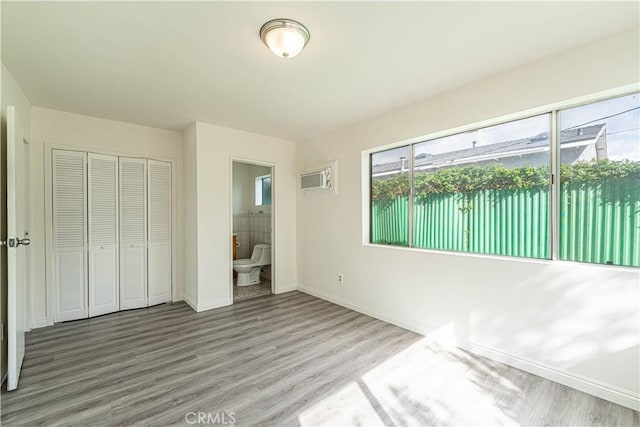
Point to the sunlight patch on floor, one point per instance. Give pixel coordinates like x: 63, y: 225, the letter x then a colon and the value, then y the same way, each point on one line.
x: 423, y: 384
x: 349, y: 406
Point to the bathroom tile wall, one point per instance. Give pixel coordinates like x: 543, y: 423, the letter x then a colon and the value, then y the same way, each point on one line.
x: 241, y: 229
x: 251, y: 229
x: 259, y: 228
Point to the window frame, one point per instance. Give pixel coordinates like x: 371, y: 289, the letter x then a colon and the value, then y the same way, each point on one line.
x: 410, y: 195
x: 554, y: 176
x: 255, y: 189
x: 411, y: 175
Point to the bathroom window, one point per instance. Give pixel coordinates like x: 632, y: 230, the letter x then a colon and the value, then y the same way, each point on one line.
x: 263, y: 190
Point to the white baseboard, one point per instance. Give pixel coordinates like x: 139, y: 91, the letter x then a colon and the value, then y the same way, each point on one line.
x: 608, y: 392
x: 39, y: 323
x: 588, y: 385
x: 206, y: 305
x: 422, y: 329
x: 286, y: 288
x: 209, y: 305
x: 190, y: 303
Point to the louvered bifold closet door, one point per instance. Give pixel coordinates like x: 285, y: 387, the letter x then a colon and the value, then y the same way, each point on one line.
x: 69, y: 234
x: 103, y: 234
x: 159, y: 252
x: 133, y: 233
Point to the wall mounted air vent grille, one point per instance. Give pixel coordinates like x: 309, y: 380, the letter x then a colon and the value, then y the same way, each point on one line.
x: 319, y: 180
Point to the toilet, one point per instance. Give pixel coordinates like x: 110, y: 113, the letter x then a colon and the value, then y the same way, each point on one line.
x: 249, y: 269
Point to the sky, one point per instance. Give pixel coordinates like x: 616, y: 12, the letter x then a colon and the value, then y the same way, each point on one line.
x: 623, y: 133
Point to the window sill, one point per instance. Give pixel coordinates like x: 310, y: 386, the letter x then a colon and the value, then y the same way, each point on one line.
x: 504, y: 258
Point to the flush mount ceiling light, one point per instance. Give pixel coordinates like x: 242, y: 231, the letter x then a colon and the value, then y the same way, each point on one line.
x: 285, y: 37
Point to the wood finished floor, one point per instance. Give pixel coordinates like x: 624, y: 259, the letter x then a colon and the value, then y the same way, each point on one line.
x: 289, y: 359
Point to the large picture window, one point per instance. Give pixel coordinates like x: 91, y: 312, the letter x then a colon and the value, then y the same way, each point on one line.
x: 490, y: 190
x: 485, y: 191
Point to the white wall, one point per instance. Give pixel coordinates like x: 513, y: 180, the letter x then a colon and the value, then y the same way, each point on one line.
x: 575, y: 323
x: 10, y: 94
x: 242, y: 191
x: 190, y: 215
x: 216, y: 147
x: 73, y: 131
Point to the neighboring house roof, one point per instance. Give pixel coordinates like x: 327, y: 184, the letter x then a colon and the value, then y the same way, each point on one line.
x: 568, y: 138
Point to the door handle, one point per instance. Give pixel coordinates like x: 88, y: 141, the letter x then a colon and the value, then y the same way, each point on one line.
x: 14, y: 243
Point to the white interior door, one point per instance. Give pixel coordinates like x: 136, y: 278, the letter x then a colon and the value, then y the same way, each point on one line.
x: 16, y: 247
x: 133, y: 233
x: 103, y: 234
x: 159, y: 252
x: 70, y: 234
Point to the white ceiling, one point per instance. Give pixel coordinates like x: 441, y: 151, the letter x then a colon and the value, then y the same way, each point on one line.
x: 167, y: 64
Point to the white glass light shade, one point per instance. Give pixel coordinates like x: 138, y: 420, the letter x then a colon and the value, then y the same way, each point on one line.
x: 285, y: 42
x: 285, y: 38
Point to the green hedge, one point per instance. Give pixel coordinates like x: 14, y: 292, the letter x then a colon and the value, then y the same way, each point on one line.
x: 470, y: 179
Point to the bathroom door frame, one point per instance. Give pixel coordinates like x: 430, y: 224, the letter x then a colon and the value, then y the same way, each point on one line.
x: 274, y: 209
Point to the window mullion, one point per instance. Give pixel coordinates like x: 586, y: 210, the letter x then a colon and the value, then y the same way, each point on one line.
x: 411, y: 198
x: 554, y: 215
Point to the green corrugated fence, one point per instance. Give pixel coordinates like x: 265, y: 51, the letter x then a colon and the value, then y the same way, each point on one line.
x: 599, y: 223
x: 500, y: 222
x: 390, y: 222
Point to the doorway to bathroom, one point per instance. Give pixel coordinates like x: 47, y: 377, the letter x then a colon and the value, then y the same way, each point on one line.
x: 252, y: 187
